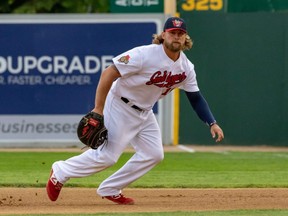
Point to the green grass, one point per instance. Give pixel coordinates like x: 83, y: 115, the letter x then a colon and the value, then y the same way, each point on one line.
x: 178, y: 170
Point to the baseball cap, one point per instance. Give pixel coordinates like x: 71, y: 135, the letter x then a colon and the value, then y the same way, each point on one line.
x: 174, y: 23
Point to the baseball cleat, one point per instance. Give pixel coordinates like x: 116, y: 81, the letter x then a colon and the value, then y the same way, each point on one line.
x: 53, y: 187
x: 120, y: 199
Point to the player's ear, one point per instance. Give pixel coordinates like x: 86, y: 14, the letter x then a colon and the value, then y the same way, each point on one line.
x: 163, y: 34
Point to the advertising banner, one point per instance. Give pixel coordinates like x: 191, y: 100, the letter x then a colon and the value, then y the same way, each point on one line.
x: 49, y: 70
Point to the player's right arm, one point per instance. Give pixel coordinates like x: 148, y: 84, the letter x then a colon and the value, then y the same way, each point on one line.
x: 108, y: 76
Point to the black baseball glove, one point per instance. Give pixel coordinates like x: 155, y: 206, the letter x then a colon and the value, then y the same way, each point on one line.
x: 91, y: 130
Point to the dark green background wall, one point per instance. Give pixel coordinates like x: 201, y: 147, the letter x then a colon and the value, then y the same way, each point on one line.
x: 241, y: 61
x: 256, y: 5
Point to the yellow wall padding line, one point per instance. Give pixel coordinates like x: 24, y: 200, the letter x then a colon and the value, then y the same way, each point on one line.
x: 176, y: 116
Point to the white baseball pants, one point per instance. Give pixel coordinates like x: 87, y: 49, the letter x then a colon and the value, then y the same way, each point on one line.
x: 125, y: 125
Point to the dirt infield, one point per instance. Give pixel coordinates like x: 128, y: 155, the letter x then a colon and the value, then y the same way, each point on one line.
x: 168, y: 148
x: 84, y: 200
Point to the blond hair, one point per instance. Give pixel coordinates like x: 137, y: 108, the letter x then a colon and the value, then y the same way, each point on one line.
x: 157, y: 39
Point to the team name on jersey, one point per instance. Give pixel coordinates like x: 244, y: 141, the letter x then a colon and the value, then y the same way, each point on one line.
x: 166, y: 79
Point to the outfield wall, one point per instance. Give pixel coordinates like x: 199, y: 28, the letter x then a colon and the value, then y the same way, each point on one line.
x: 241, y: 61
x: 50, y: 66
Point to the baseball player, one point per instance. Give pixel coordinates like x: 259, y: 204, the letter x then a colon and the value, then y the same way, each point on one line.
x: 125, y: 95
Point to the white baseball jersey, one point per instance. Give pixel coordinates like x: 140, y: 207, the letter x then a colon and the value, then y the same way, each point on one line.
x: 148, y: 74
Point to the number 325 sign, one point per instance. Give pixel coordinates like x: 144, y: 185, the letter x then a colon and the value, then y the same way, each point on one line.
x: 202, y: 5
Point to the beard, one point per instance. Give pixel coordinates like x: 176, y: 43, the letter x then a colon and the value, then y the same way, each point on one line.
x: 174, y: 46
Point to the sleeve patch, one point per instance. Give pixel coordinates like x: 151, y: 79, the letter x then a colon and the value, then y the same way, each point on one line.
x: 124, y: 59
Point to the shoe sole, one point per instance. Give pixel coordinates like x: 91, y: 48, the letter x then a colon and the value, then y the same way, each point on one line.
x: 130, y: 202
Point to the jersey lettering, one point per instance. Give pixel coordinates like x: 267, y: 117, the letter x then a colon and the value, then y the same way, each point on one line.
x: 165, y: 79
x: 167, y: 91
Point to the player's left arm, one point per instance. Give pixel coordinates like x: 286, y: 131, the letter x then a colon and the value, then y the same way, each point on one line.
x: 203, y: 111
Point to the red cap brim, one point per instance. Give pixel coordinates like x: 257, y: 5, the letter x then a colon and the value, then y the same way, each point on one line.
x: 171, y: 29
